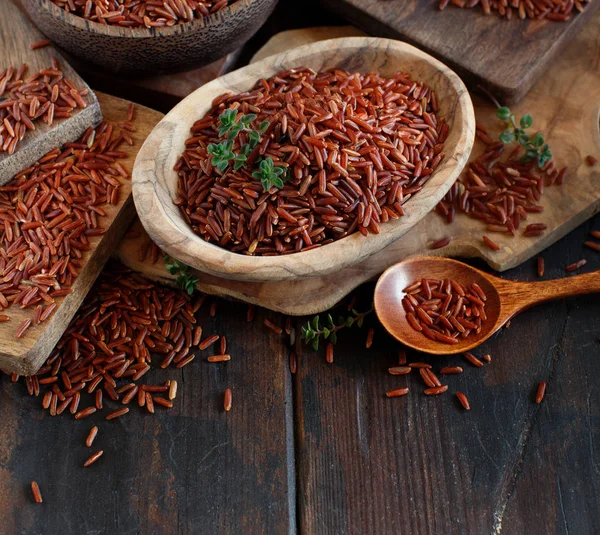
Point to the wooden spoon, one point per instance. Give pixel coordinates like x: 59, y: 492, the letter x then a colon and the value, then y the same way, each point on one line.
x: 505, y: 298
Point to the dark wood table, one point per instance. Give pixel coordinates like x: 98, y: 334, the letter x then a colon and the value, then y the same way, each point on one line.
x: 324, y: 451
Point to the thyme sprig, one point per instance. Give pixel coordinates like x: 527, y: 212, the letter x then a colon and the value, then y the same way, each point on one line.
x: 312, y: 332
x: 222, y: 153
x: 185, y: 278
x: 535, y: 148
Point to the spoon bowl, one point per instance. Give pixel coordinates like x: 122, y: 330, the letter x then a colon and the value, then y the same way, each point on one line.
x: 504, y: 298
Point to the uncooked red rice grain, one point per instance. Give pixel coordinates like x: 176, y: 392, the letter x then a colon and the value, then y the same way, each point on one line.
x: 143, y: 13
x: 37, y: 495
x: 463, y: 401
x: 357, y: 147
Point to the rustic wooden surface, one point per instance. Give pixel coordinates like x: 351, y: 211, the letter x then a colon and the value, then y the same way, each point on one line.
x: 192, y: 469
x: 359, y: 463
x: 155, y: 180
x: 575, y: 124
x: 26, y: 354
x: 155, y: 50
x: 507, y: 57
x: 16, y: 34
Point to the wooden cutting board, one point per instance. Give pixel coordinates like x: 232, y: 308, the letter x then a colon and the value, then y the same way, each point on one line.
x: 506, y: 56
x: 16, y: 34
x: 25, y: 355
x: 565, y: 105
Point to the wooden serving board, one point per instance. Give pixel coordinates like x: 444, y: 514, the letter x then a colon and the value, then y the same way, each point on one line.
x: 16, y: 34
x: 507, y: 57
x: 565, y: 105
x: 25, y: 355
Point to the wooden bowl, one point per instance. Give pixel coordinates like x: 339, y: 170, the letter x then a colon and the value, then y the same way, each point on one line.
x: 155, y: 181
x: 151, y: 51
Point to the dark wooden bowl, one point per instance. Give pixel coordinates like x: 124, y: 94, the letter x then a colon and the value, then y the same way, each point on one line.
x: 156, y: 50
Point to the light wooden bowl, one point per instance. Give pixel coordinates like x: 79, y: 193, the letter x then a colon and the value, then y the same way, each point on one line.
x: 155, y: 181
x: 151, y: 51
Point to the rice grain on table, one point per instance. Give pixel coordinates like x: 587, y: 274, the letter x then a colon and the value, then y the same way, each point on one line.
x: 397, y: 393
x: 463, y: 401
x: 91, y: 436
x: 228, y: 398
x: 356, y: 147
x: 93, y: 458
x: 37, y: 495
x: 576, y: 265
x: 541, y: 391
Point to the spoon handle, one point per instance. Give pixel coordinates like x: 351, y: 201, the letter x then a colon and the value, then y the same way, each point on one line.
x: 526, y: 294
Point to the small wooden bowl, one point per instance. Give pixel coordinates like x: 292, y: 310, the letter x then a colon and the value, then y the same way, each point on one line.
x: 155, y: 181
x: 151, y: 51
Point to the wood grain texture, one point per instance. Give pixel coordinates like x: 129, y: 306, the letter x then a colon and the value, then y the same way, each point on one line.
x: 421, y: 464
x: 193, y: 469
x: 156, y: 50
x: 25, y: 355
x: 507, y: 57
x: 16, y: 34
x: 567, y: 111
x: 155, y: 181
x: 505, y: 299
x: 160, y: 92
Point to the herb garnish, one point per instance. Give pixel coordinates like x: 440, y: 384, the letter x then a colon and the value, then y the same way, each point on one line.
x: 185, y: 279
x: 535, y: 148
x: 222, y: 153
x: 312, y: 331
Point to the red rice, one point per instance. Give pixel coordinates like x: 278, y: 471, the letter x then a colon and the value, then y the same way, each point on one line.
x: 370, y: 335
x: 444, y: 310
x: 50, y: 212
x: 397, y: 393
x: 37, y: 495
x: 39, y: 44
x: 25, y: 100
x: 554, y: 10
x: 541, y: 391
x: 436, y: 390
x: 400, y: 370
x: 276, y: 329
x: 592, y: 245
x: 143, y: 13
x: 93, y: 458
x: 591, y: 160
x: 540, y: 266
x: 463, y: 401
x: 219, y: 358
x: 451, y: 370
x: 473, y: 360
x: 357, y: 148
x: 228, y: 400
x: 329, y: 353
x: 576, y: 265
x: 91, y: 436
x: 441, y: 243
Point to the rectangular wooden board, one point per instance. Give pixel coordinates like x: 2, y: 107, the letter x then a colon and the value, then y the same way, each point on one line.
x: 25, y: 355
x: 16, y: 35
x: 507, y: 57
